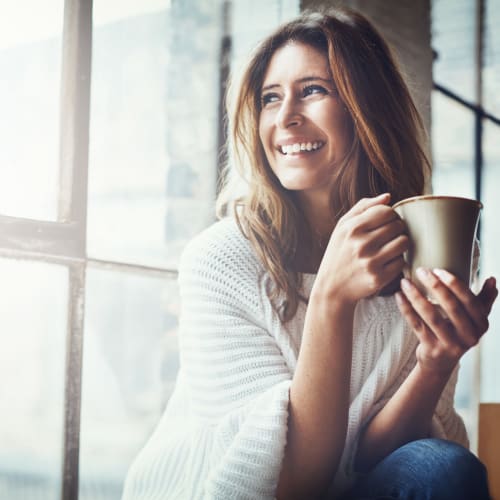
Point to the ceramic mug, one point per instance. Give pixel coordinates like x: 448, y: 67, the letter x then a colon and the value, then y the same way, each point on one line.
x: 442, y: 232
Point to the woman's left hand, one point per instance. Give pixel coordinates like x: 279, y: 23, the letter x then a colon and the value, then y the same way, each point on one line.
x: 445, y: 338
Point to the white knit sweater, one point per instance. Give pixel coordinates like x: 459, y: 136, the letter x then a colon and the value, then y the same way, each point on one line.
x: 223, y: 433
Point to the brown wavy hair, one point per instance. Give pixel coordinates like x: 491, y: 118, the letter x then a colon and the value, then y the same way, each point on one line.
x: 386, y: 153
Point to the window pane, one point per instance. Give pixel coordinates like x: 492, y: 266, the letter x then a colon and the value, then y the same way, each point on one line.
x: 452, y: 147
x: 153, y: 136
x: 33, y: 304
x: 490, y: 265
x: 129, y: 368
x: 453, y: 39
x: 491, y: 71
x: 30, y: 65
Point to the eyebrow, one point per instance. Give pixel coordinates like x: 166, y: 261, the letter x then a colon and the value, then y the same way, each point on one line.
x: 300, y: 80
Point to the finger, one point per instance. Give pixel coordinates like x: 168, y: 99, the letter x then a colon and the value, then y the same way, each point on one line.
x: 376, y: 216
x: 366, y: 203
x: 488, y: 294
x: 390, y: 276
x: 393, y: 249
x: 382, y: 242
x: 467, y: 304
x: 424, y: 335
x: 433, y: 317
x: 394, y: 267
x: 387, y: 232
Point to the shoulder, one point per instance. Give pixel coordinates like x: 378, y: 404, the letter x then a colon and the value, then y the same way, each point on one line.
x: 221, y: 258
x: 221, y: 245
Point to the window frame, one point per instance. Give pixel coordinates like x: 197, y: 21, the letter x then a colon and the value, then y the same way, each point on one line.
x: 63, y: 242
x: 480, y: 114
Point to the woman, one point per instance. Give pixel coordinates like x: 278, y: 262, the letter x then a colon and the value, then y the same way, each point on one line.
x: 302, y: 374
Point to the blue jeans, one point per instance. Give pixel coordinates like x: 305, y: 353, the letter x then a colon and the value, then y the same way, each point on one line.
x: 423, y: 470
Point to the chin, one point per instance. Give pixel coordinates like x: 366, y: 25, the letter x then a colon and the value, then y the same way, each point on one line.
x: 302, y: 184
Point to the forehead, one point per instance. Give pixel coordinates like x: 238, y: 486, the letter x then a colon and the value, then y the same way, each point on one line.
x: 294, y: 61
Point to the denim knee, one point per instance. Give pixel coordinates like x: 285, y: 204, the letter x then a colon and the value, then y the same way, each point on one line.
x: 427, y: 469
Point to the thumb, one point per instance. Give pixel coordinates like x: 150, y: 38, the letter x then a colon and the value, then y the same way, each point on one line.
x: 488, y: 294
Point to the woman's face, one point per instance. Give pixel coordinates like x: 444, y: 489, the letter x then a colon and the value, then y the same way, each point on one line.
x: 302, y: 124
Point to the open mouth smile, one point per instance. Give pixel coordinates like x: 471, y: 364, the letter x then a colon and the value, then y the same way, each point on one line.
x: 300, y: 147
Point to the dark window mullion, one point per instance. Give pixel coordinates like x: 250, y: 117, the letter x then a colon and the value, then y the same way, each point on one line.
x: 74, y: 146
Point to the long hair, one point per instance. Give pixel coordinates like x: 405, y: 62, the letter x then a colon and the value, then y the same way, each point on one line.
x: 386, y: 153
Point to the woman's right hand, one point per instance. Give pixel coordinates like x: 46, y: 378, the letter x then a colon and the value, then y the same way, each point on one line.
x: 365, y: 251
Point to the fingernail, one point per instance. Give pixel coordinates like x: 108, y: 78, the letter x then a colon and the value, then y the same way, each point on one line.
x: 405, y: 285
x: 443, y: 275
x: 422, y: 273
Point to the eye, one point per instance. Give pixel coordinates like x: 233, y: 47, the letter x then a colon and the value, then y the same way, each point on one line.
x: 269, y: 98
x: 313, y: 89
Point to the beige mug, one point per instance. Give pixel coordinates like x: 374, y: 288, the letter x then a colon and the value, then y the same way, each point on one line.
x: 442, y: 232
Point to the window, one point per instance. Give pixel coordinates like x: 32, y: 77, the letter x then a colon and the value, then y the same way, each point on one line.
x: 465, y: 136
x: 108, y: 162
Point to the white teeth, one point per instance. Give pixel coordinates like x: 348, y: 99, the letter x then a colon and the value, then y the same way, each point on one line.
x: 300, y: 146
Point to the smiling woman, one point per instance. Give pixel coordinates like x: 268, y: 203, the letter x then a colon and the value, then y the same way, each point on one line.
x: 303, y: 375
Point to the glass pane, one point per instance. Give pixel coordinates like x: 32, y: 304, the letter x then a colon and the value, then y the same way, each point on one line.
x: 452, y: 147
x: 130, y: 362
x: 153, y: 136
x: 33, y: 314
x: 491, y: 71
x: 490, y: 265
x: 453, y: 39
x: 30, y: 65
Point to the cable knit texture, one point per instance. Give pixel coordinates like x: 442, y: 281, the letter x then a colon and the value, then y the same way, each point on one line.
x: 223, y: 433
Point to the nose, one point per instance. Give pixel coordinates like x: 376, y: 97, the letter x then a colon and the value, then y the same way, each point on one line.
x: 289, y: 114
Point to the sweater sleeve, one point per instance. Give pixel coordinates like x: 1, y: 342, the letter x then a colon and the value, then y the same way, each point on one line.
x: 236, y: 377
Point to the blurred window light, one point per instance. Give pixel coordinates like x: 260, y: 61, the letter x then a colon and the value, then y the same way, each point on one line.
x: 30, y: 65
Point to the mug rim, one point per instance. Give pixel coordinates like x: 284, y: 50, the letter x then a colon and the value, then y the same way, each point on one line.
x: 436, y: 197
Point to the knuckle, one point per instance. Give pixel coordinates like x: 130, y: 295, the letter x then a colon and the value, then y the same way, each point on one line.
x: 473, y: 341
x: 455, y: 309
x: 436, y: 318
x: 418, y: 325
x: 360, y: 250
x: 350, y: 229
x: 373, y: 282
x: 435, y: 353
x: 453, y: 280
x: 401, y: 225
x: 451, y: 352
x: 471, y: 303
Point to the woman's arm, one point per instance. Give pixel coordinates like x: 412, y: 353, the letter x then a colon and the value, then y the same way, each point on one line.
x: 443, y: 340
x: 363, y: 255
